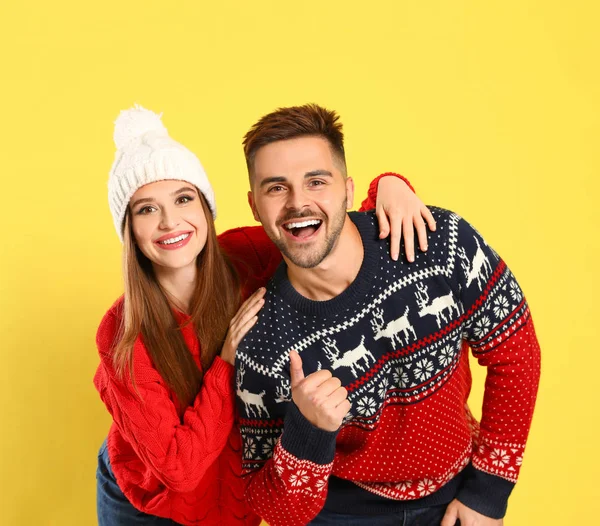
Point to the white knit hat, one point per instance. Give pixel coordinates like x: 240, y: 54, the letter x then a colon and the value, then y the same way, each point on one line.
x: 146, y: 154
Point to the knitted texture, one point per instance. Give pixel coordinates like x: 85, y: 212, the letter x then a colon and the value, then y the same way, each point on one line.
x: 146, y: 154
x: 398, y: 339
x: 184, y: 469
x: 189, y: 469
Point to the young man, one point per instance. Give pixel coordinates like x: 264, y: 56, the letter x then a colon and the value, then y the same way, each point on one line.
x: 353, y: 385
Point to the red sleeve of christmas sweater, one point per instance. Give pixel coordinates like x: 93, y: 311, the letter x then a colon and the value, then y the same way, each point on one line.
x: 177, y: 450
x: 256, y: 257
x: 287, y: 481
x: 500, y: 332
x: 253, y: 254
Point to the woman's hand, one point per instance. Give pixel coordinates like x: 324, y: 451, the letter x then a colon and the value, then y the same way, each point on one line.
x: 241, y: 323
x: 399, y: 212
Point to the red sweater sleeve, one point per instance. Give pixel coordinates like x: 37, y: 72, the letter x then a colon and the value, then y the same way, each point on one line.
x: 177, y: 451
x: 502, y: 337
x: 290, y: 488
x: 253, y: 254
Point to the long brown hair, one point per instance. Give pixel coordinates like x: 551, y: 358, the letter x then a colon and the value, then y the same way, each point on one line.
x: 147, y: 312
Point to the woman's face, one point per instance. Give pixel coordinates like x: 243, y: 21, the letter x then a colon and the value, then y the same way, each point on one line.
x: 168, y: 223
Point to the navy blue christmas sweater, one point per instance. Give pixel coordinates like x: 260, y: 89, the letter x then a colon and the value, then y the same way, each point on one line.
x: 398, y: 338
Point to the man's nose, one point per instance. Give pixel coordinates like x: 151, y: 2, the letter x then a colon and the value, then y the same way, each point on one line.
x: 297, y: 199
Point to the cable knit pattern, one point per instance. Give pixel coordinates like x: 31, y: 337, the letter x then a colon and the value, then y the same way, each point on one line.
x: 189, y: 469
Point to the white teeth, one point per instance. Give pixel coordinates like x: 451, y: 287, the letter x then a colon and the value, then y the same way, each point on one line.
x: 174, y: 239
x: 302, y: 224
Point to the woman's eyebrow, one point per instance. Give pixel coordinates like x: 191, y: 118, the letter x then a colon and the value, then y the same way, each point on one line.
x: 143, y: 200
x: 183, y: 189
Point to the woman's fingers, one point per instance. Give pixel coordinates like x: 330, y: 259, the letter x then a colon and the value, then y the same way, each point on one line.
x: 250, y: 303
x: 384, y: 225
x: 409, y: 239
x: 249, y: 313
x: 395, y: 234
x: 238, y: 334
x: 241, y: 323
x: 427, y: 215
x: 419, y: 225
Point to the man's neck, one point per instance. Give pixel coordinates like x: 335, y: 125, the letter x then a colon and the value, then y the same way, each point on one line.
x: 336, y: 272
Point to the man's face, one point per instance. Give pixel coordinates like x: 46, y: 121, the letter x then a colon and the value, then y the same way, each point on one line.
x: 300, y: 196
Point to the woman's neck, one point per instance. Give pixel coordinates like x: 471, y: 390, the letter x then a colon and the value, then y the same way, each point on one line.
x: 178, y: 284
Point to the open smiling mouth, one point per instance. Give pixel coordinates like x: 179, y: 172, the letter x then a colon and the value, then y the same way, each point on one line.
x: 174, y: 239
x: 174, y: 242
x: 303, y: 229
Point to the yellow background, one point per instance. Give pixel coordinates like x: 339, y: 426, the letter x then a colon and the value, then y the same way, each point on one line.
x: 490, y: 108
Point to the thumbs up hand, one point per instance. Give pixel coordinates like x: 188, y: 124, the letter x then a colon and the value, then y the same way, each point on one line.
x: 319, y: 396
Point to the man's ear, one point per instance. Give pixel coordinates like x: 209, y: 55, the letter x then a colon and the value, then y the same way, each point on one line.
x: 253, y: 206
x: 349, y: 193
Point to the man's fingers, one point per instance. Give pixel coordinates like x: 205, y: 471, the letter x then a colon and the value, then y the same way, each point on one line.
x: 409, y: 239
x: 337, y: 397
x: 330, y: 385
x: 342, y: 409
x: 451, y: 515
x: 384, y: 225
x: 325, y: 390
x: 296, y: 372
x: 426, y: 214
x: 316, y: 379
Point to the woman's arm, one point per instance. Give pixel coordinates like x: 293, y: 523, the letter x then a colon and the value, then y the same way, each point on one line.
x: 399, y: 212
x: 178, y: 451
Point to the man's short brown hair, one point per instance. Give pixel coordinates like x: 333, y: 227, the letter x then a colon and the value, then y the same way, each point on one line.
x: 310, y: 120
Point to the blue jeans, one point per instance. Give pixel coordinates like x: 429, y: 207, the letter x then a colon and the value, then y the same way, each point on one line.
x: 112, y: 506
x: 419, y: 517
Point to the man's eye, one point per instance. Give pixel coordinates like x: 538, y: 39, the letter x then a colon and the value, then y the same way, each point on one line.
x: 277, y: 188
x: 316, y: 182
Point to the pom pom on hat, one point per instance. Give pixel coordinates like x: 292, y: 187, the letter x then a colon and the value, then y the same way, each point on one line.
x: 146, y: 154
x: 134, y: 123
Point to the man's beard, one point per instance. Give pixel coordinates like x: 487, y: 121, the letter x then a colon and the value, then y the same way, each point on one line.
x: 311, y: 257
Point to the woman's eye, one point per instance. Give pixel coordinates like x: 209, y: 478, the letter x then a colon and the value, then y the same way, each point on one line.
x: 146, y: 210
x: 184, y: 199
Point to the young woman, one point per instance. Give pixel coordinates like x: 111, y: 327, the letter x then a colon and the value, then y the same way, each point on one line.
x: 167, y: 347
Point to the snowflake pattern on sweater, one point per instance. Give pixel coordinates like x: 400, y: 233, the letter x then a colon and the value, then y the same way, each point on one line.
x: 398, y: 339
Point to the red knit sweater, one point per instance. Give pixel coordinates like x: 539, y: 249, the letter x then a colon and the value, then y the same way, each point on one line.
x: 186, y: 469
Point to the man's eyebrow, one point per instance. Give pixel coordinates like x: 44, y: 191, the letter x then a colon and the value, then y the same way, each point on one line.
x: 275, y: 179
x: 282, y: 179
x: 318, y: 172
